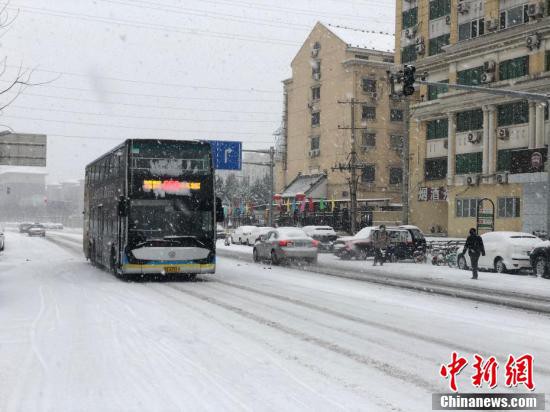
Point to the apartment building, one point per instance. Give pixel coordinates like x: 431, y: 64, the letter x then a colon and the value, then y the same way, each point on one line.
x: 333, y: 66
x: 466, y: 146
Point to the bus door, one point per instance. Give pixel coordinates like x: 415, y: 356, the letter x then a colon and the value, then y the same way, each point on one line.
x: 100, y: 237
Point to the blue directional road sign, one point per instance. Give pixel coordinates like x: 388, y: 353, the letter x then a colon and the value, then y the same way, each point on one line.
x: 226, y: 155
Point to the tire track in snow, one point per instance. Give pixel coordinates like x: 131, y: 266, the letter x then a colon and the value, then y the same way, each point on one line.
x: 366, y: 322
x: 384, y: 367
x: 264, y: 343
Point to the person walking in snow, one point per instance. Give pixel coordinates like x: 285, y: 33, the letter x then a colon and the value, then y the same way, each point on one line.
x: 380, y: 243
x: 475, y: 248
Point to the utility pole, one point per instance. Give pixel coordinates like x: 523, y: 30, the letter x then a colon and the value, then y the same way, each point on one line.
x: 271, y: 165
x: 352, y: 165
x: 405, y: 162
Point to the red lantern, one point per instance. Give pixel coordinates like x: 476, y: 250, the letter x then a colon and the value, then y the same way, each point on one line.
x: 300, y: 196
x: 277, y: 197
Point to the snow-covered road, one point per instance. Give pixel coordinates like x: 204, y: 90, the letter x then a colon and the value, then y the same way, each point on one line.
x: 252, y: 337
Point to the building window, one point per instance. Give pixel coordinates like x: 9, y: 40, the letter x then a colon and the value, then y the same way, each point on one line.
x: 513, y: 113
x: 396, y: 115
x: 435, y: 169
x: 410, y: 18
x: 504, y: 160
x: 510, y: 69
x: 436, y: 44
x: 315, y: 118
x: 514, y: 16
x: 369, y: 174
x: 408, y: 54
x: 434, y: 91
x: 396, y: 175
x: 368, y: 113
x: 439, y: 8
x: 368, y: 85
x: 368, y: 140
x: 396, y: 142
x: 315, y: 142
x: 547, y: 61
x: 316, y: 70
x: 316, y: 93
x: 471, y: 29
x: 470, y: 120
x: 466, y: 207
x: 471, y: 76
x: 437, y: 129
x: 467, y: 163
x: 388, y: 60
x: 508, y: 206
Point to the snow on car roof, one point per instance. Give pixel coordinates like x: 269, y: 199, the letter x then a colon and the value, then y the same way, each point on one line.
x: 507, y: 235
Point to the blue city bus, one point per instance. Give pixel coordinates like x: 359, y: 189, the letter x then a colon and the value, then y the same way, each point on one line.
x: 150, y: 208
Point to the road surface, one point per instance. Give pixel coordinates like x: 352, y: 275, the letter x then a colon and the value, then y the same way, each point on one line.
x: 252, y: 337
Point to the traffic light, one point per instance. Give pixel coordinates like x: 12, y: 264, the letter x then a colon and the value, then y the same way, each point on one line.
x: 408, y: 80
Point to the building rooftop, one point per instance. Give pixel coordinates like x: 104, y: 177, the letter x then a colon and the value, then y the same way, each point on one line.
x: 303, y: 184
x: 35, y: 170
x: 365, y: 39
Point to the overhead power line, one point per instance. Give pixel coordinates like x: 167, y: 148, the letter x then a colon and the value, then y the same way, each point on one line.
x: 145, y: 25
x: 47, y: 109
x: 9, y: 116
x: 119, y: 79
x: 210, y: 99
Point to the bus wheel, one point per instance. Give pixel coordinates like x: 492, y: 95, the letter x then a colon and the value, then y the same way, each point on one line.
x: 191, y: 277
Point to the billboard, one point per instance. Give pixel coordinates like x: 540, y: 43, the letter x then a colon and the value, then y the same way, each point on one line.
x: 20, y: 149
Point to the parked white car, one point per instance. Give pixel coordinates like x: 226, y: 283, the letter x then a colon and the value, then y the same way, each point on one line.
x: 504, y: 252
x: 254, y: 236
x: 240, y: 235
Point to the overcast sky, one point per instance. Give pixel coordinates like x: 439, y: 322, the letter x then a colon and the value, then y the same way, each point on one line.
x: 208, y: 69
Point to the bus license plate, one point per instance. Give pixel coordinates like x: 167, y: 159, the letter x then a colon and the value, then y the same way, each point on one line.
x: 171, y: 269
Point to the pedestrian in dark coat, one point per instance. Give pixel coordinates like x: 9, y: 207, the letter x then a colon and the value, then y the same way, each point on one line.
x: 475, y: 248
x: 380, y: 243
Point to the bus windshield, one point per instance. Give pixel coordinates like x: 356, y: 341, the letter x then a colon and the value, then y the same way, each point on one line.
x: 161, y: 218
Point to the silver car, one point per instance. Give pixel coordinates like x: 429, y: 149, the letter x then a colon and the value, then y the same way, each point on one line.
x: 286, y: 243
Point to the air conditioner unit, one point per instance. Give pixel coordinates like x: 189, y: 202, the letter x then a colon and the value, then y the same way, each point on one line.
x: 448, y: 20
x: 310, y: 106
x: 314, y: 52
x: 419, y: 40
x: 503, y: 133
x: 420, y: 48
x: 533, y: 41
x: 535, y: 10
x: 463, y: 7
x: 487, y: 77
x: 374, y: 95
x: 501, y: 178
x: 314, y: 152
x: 316, y: 76
x: 475, y: 137
x: 492, y: 25
x: 446, y: 144
x: 473, y: 180
x: 489, y: 66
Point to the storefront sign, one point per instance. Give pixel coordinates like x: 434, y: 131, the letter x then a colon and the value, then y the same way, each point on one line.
x: 432, y: 194
x: 485, y: 215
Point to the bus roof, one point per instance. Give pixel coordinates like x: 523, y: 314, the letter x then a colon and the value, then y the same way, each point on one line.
x: 126, y: 142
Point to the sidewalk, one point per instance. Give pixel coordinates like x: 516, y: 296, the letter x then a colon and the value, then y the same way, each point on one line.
x: 515, y: 290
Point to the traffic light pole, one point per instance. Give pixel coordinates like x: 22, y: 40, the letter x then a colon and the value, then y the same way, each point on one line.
x: 271, y: 165
x: 405, y: 161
